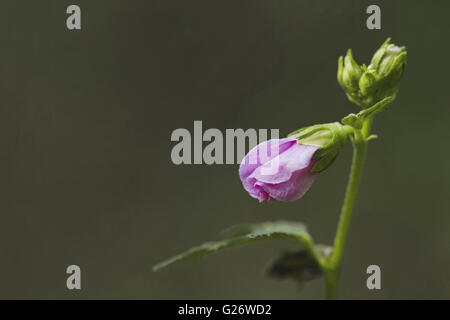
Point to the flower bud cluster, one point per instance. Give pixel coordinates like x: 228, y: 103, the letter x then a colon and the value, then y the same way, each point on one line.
x: 367, y: 85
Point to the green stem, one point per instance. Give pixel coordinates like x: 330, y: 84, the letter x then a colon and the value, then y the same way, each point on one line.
x: 333, y: 265
x: 331, y: 282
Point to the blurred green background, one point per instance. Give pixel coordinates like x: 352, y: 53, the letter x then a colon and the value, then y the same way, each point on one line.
x: 85, y: 125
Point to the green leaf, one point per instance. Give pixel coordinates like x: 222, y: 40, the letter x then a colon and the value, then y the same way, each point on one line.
x: 244, y: 234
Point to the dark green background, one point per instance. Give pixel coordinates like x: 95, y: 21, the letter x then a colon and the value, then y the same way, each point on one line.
x: 85, y: 125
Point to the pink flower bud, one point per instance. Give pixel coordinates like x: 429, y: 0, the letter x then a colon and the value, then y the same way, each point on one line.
x: 278, y: 169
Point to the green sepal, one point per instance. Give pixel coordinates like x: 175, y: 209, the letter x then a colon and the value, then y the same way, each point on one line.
x: 330, y: 137
x: 318, y: 135
x: 297, y: 131
x: 340, y: 71
x: 325, y: 162
x: 323, y: 135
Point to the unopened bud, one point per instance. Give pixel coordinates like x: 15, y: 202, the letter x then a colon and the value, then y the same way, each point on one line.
x: 388, y: 64
x: 350, y: 73
x: 366, y: 86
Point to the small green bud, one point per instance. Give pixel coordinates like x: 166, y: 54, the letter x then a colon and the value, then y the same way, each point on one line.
x: 378, y: 55
x: 330, y: 137
x: 367, y: 83
x: 351, y: 73
x: 388, y: 64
